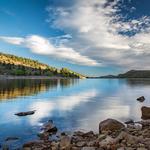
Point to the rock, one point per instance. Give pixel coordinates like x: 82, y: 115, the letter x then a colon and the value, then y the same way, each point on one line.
x: 43, y: 136
x: 135, y: 126
x: 88, y: 148
x: 145, y: 112
x: 102, y: 136
x: 65, y: 142
x: 88, y: 134
x: 37, y: 145
x: 130, y: 121
x: 110, y: 125
x: 75, y: 148
x: 80, y: 144
x: 11, y: 138
x: 25, y: 113
x: 50, y: 127
x: 107, y: 141
x: 54, y: 145
x: 5, y: 147
x: 144, y: 123
x: 121, y: 148
x: 141, y: 99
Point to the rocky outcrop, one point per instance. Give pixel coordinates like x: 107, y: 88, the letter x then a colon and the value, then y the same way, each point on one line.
x: 110, y: 125
x: 145, y: 112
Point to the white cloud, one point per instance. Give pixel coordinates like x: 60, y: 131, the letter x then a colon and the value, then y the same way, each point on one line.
x: 43, y: 46
x: 93, y: 36
x: 14, y: 40
x: 97, y: 30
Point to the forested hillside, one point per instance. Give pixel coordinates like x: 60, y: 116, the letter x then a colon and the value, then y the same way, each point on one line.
x: 14, y: 65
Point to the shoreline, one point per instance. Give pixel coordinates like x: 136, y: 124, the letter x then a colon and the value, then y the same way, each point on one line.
x: 3, y: 77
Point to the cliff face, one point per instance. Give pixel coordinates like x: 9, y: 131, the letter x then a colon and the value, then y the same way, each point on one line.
x: 14, y: 65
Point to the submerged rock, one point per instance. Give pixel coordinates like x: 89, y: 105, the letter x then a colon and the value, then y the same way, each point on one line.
x: 130, y: 121
x: 110, y: 125
x: 11, y: 139
x: 141, y: 99
x: 25, y: 113
x: 145, y: 112
x: 50, y: 127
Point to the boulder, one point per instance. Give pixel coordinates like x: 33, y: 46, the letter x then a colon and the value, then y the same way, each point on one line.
x: 145, y: 112
x: 141, y: 99
x: 110, y: 125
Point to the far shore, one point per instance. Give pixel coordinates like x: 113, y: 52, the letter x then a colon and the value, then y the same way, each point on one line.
x: 33, y: 77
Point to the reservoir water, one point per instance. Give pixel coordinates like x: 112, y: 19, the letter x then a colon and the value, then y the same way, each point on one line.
x: 72, y: 104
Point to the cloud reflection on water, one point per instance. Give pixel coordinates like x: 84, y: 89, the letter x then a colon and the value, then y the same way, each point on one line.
x: 61, y: 105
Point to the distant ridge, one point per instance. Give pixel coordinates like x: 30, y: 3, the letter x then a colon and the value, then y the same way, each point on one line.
x: 19, y: 66
x: 131, y: 74
x: 135, y: 74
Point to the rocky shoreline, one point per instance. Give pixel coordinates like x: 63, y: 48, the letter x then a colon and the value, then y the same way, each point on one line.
x: 113, y: 135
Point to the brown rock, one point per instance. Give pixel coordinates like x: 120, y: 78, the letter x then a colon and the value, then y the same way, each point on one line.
x: 145, y: 112
x: 110, y: 125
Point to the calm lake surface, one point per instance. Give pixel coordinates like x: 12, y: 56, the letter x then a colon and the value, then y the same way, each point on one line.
x: 71, y: 104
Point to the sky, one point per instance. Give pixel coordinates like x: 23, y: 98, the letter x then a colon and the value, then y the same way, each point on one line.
x: 92, y: 37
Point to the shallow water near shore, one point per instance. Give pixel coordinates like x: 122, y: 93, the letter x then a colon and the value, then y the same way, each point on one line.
x: 72, y: 104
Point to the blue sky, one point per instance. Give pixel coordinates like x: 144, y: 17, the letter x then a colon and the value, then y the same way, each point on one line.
x: 91, y: 37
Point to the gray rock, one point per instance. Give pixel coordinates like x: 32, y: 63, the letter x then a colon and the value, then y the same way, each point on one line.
x: 110, y: 125
x: 108, y: 140
x: 80, y: 143
x: 88, y: 148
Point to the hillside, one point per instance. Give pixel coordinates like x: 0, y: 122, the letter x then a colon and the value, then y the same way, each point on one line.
x: 19, y: 66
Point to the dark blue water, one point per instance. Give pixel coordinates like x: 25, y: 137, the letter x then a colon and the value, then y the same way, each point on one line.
x: 71, y: 104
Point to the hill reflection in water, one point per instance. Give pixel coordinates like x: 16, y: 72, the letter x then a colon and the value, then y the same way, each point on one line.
x: 10, y: 89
